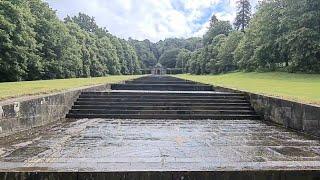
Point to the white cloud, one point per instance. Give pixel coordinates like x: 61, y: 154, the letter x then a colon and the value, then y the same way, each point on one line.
x: 199, y: 4
x: 146, y: 19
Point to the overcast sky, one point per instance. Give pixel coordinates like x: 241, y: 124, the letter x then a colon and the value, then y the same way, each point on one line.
x: 150, y: 19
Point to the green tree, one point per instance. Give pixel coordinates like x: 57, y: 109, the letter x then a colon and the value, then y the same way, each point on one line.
x: 283, y: 34
x: 86, y: 22
x: 182, y: 59
x: 213, y: 21
x: 243, y: 15
x: 212, y: 61
x: 107, y: 55
x: 169, y: 58
x: 221, y: 27
x: 226, y: 52
x: 146, y: 52
x: 59, y: 50
x: 19, y: 59
x: 194, y: 63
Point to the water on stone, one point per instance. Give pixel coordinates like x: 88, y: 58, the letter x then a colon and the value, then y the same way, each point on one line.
x: 159, y: 145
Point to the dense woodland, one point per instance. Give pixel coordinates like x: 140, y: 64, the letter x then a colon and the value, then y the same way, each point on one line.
x: 164, y: 52
x: 282, y: 35
x: 35, y: 44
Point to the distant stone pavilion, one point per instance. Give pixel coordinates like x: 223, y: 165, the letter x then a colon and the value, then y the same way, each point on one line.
x: 158, y: 70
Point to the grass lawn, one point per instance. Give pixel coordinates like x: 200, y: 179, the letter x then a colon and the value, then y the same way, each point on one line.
x: 17, y: 89
x: 297, y: 87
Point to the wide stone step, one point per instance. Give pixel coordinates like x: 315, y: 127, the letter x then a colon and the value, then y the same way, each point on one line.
x: 126, y: 107
x: 151, y: 93
x: 165, y: 116
x: 162, y: 87
x: 155, y: 78
x: 160, y: 82
x: 161, y: 103
x: 160, y: 96
x: 162, y: 100
x: 178, y: 112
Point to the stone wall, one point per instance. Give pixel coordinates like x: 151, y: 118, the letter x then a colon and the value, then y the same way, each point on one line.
x: 293, y: 115
x: 25, y: 113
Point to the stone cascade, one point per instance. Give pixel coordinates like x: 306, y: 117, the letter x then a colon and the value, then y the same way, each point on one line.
x: 161, y: 83
x: 162, y: 97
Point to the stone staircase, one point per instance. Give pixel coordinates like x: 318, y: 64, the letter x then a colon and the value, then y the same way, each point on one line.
x: 157, y: 97
x: 162, y: 83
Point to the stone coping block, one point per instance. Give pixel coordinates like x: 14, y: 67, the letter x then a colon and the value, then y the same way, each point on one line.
x: 175, y: 175
x: 24, y: 113
x: 289, y: 114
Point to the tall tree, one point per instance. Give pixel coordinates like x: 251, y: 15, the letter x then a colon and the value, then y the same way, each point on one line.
x: 243, y: 15
x: 182, y: 59
x: 226, y: 51
x: 221, y: 27
x: 84, y: 21
x: 213, y: 21
x: 18, y: 47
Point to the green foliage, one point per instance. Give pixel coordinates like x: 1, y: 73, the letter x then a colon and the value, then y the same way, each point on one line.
x: 18, y: 46
x: 146, y: 52
x: 283, y: 35
x: 226, y: 51
x: 86, y: 22
x: 213, y: 21
x: 195, y: 64
x: 150, y: 53
x: 35, y: 44
x: 169, y: 58
x: 215, y: 56
x: 182, y: 58
x: 212, y: 52
x: 220, y: 27
x: 190, y: 44
x: 243, y: 15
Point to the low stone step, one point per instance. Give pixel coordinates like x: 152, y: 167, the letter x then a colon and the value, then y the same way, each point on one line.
x: 160, y: 82
x: 162, y: 87
x: 162, y: 100
x: 178, y: 112
x: 161, y: 103
x: 165, y: 116
x: 158, y: 78
x: 160, y: 96
x: 155, y: 108
x: 150, y: 93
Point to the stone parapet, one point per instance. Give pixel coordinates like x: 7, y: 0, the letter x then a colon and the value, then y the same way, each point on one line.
x: 24, y: 113
x: 294, y: 115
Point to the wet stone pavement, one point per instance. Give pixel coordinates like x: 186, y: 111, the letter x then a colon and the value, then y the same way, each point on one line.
x: 105, y: 145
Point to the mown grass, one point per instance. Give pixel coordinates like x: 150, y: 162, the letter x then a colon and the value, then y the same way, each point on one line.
x: 296, y: 87
x: 18, y: 89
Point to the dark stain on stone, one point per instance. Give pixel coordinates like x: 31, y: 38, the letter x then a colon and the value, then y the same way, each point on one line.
x: 23, y: 153
x: 294, y: 151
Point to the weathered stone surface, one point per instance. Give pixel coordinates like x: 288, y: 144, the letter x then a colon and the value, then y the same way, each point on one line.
x: 162, y: 149
x: 193, y: 175
x: 294, y: 115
